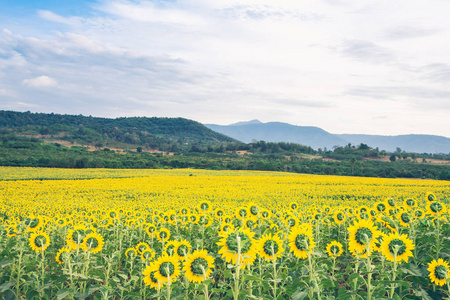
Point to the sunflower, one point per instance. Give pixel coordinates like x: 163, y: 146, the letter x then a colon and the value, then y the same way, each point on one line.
x: 395, y: 242
x: 198, y: 266
x: 226, y: 227
x: 75, y: 236
x: 141, y: 247
x: 62, y: 255
x: 241, y: 212
x: 409, y: 203
x: 291, y: 221
x: 204, y: 206
x: 93, y: 242
x: 193, y: 218
x: 339, y: 217
x: 435, y: 208
x: 418, y: 213
x: 39, y: 241
x: 250, y: 223
x: 439, y: 271
x: 149, y: 276
x: 229, y: 246
x: 265, y: 214
x: 404, y: 218
x: 270, y: 247
x: 362, y: 234
x: 182, y: 249
x: 390, y: 203
x: 301, y: 241
x: 293, y: 205
x: 430, y: 197
x: 131, y: 253
x: 219, y: 213
x: 34, y: 223
x: 169, y: 248
x: 148, y: 255
x: 253, y: 209
x: 151, y: 230
x: 168, y: 268
x: 334, y: 249
x: 380, y: 207
x: 163, y: 235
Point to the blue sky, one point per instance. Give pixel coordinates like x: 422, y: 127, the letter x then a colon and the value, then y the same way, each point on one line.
x: 374, y: 67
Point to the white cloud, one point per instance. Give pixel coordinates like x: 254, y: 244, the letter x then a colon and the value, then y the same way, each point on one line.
x: 40, y: 81
x: 338, y: 65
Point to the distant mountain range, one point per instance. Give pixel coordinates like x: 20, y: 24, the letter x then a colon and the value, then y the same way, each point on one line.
x: 319, y: 138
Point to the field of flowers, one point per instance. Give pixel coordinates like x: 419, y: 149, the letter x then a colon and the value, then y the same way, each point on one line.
x: 194, y: 234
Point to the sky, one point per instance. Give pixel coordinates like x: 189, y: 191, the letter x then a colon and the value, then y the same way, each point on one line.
x: 346, y: 66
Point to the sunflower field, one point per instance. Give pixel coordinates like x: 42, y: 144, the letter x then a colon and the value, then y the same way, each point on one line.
x: 195, y: 234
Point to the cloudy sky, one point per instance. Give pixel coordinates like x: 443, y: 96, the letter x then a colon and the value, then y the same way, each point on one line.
x: 347, y: 66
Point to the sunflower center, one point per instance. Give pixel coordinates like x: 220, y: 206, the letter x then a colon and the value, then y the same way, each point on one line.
x: 291, y: 222
x: 219, y: 213
x: 364, y: 216
x: 151, y: 229
x: 147, y: 254
x: 334, y: 249
x: 34, y: 223
x: 436, y: 207
x: 92, y: 243
x: 362, y: 234
x: 182, y: 250
x: 294, y: 206
x: 265, y: 214
x: 78, y: 236
x: 397, y: 243
x: 170, y: 249
x: 167, y: 269
x: 381, y: 207
x: 431, y: 197
x: 440, y: 272
x: 153, y: 278
x: 254, y: 210
x: 204, y: 206
x: 418, y: 213
x: 405, y: 218
x: 232, y: 243
x: 391, y: 202
x: 40, y: 241
x: 249, y: 223
x: 197, y: 264
x: 410, y: 202
x: 163, y: 235
x: 268, y: 245
x: 340, y: 216
x: 301, y: 241
x: 242, y: 212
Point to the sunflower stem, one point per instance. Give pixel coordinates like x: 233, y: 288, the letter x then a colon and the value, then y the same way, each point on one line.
x: 394, y: 272
x: 274, y: 262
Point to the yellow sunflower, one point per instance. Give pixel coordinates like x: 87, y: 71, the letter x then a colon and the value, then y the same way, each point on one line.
x: 39, y: 241
x: 163, y: 235
x: 131, y: 253
x: 430, y: 197
x: 148, y: 255
x: 198, y: 266
x: 405, y: 219
x: 409, y: 203
x: 150, y: 278
x: 301, y: 241
x: 270, y: 247
x: 400, y: 243
x: 334, y: 249
x: 75, y: 236
x: 151, y: 230
x: 183, y: 249
x: 168, y: 268
x: 62, y: 255
x: 204, y: 206
x: 241, y: 213
x: 141, y: 247
x: 339, y: 217
x: 34, y: 223
x: 361, y: 235
x: 439, y: 271
x: 435, y: 208
x: 380, y: 207
x: 93, y: 242
x: 229, y: 246
x: 169, y: 248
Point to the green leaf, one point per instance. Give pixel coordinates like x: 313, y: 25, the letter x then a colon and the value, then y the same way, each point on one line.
x: 63, y: 293
x: 6, y: 286
x: 300, y: 294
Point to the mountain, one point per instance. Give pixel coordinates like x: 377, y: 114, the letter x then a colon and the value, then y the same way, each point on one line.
x: 152, y: 133
x: 419, y: 143
x: 319, y: 138
x: 279, y: 132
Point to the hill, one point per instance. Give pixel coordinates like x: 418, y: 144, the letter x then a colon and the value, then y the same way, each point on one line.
x: 279, y: 132
x: 318, y: 138
x: 166, y: 134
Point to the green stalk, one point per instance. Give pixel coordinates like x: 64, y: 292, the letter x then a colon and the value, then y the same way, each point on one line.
x: 274, y: 263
